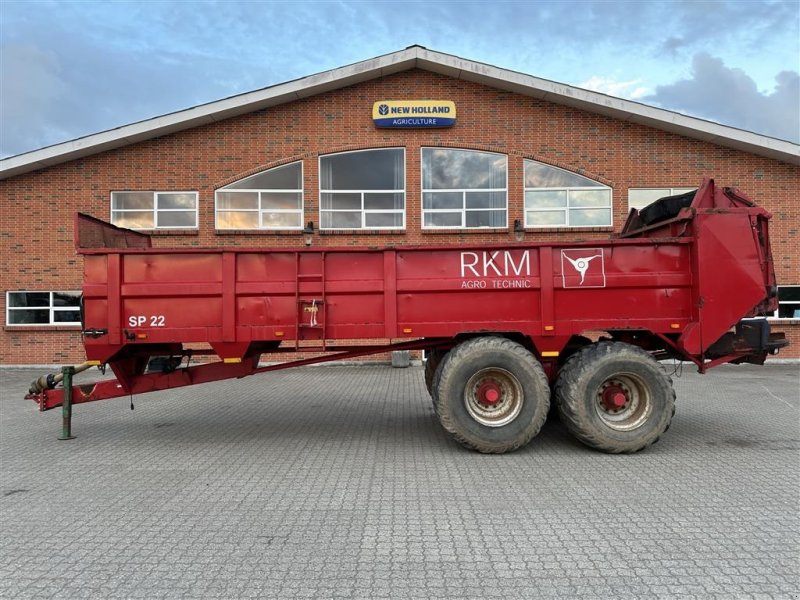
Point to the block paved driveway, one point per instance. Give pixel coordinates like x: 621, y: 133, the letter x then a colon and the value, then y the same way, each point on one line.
x: 338, y: 482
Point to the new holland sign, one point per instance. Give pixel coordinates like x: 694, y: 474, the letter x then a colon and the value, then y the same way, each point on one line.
x: 414, y: 113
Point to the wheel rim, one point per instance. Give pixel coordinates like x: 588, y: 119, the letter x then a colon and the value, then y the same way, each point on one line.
x: 623, y: 401
x: 493, y: 397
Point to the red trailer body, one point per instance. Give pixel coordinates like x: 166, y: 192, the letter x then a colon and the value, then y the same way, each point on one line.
x: 675, y: 287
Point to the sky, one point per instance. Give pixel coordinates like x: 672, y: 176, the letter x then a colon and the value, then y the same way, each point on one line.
x: 70, y: 69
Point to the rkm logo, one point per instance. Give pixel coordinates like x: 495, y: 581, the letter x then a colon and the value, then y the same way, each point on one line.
x: 500, y: 263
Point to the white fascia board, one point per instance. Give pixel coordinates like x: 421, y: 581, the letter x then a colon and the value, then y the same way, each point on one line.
x: 412, y: 57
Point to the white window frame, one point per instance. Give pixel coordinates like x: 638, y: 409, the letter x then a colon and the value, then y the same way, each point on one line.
x: 668, y: 191
x: 462, y: 191
x: 569, y: 206
x: 361, y: 193
x: 774, y: 315
x: 157, y: 210
x: 260, y: 209
x: 51, y: 308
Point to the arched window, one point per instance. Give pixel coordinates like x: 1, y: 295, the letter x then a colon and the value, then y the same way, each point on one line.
x: 558, y: 198
x: 463, y: 189
x: 364, y: 189
x: 272, y: 199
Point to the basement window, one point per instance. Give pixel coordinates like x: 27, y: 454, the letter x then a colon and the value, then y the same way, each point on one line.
x: 154, y: 210
x: 464, y: 189
x: 558, y: 198
x: 43, y: 308
x: 364, y: 189
x: 272, y: 199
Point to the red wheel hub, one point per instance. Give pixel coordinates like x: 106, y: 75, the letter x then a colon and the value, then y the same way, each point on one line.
x: 614, y: 398
x: 489, y: 393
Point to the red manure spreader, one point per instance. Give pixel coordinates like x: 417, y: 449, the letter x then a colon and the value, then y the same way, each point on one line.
x: 507, y: 329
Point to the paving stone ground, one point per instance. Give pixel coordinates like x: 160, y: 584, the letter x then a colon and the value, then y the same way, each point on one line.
x: 337, y: 482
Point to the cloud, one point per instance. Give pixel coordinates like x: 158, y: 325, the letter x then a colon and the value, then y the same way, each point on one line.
x: 621, y: 89
x: 672, y: 44
x: 52, y: 93
x: 731, y: 97
x: 32, y: 86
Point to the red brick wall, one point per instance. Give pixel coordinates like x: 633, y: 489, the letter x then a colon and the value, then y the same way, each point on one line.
x: 36, y: 208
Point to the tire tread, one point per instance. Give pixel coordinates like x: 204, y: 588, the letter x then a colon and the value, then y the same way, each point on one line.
x: 488, y: 344
x: 579, y: 367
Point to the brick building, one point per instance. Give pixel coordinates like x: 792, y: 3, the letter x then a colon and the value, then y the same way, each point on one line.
x: 524, y: 158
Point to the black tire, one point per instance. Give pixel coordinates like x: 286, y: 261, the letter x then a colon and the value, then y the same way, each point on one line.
x: 433, y: 360
x: 615, y: 397
x: 437, y: 377
x: 574, y: 345
x: 491, y: 395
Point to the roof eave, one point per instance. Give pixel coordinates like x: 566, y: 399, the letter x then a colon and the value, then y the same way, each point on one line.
x: 412, y: 57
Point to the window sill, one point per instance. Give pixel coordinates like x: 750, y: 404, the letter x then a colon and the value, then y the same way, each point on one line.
x: 294, y: 232
x: 604, y: 229
x: 43, y: 327
x: 777, y: 321
x: 361, y: 232
x: 160, y: 232
x: 468, y: 230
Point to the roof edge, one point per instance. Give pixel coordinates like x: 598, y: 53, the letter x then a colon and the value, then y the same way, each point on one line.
x: 411, y: 57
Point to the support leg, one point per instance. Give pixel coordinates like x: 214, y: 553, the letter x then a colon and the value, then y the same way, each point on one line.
x: 66, y: 407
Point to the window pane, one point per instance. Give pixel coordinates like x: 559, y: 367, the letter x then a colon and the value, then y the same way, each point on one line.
x: 486, y: 200
x: 546, y: 218
x: 173, y: 200
x: 589, y: 198
x: 131, y: 200
x: 66, y: 299
x: 237, y: 220
x: 789, y: 311
x: 364, y: 170
x: 442, y: 200
x: 540, y: 175
x: 280, y: 200
x: 486, y: 218
x: 590, y: 217
x: 341, y: 201
x: 285, y: 177
x: 281, y: 220
x: 341, y: 220
x: 383, y: 201
x: 23, y: 299
x: 641, y: 198
x: 383, y: 219
x: 237, y: 200
x: 29, y: 317
x: 443, y: 219
x: 182, y: 218
x: 66, y: 316
x: 133, y: 220
x: 445, y: 168
x: 789, y: 293
x: 546, y: 199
